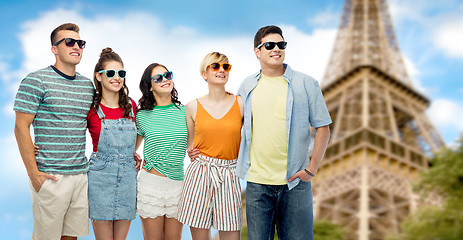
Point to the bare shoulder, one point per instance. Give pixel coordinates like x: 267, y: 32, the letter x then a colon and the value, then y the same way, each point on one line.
x: 190, y: 109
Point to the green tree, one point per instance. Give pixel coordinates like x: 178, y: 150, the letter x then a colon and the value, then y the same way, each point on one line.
x: 444, y: 177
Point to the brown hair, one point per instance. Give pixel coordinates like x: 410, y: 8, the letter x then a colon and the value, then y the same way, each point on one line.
x: 108, y: 55
x: 147, y: 100
x: 264, y: 31
x: 65, y: 26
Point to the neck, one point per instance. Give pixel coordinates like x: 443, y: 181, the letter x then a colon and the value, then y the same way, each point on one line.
x: 273, y: 71
x: 217, y: 92
x: 110, y: 99
x: 67, y: 69
x: 162, y: 100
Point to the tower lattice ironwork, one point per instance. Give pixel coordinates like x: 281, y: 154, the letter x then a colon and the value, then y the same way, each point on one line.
x: 381, y: 136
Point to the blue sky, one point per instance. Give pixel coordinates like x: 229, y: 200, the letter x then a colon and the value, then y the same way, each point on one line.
x: 179, y: 33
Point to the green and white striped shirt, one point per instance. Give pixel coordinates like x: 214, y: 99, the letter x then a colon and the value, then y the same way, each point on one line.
x: 60, y: 105
x: 165, y: 133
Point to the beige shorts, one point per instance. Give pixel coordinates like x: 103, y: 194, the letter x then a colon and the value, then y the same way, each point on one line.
x: 60, y: 208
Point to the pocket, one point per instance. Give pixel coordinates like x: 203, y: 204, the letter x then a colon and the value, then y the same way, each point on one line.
x: 97, y: 165
x: 43, y: 185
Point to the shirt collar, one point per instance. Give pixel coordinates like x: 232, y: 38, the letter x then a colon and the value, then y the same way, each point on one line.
x: 287, y: 75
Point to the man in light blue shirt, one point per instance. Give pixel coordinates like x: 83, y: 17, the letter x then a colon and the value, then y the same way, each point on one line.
x: 284, y: 202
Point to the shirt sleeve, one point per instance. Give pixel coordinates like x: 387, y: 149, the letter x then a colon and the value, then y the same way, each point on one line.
x: 29, y: 96
x: 319, y: 115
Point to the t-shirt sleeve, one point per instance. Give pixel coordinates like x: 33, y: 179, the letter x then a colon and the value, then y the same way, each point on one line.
x: 29, y: 96
x: 319, y: 115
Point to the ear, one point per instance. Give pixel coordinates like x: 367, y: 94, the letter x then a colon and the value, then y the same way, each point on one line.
x: 98, y: 77
x: 54, y: 50
x: 257, y: 52
x: 204, y: 76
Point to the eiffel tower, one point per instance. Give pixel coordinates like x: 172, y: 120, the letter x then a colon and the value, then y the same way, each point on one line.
x: 381, y: 136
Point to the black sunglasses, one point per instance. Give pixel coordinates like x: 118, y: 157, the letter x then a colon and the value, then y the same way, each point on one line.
x: 112, y: 73
x: 70, y: 42
x: 271, y: 45
x: 158, y: 77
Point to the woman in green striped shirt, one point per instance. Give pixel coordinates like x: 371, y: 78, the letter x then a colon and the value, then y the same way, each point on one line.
x: 161, y: 123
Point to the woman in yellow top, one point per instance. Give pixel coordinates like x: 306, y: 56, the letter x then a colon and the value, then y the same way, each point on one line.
x: 211, y: 195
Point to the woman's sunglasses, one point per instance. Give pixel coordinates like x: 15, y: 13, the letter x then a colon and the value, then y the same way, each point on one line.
x: 271, y: 45
x: 216, y: 66
x: 158, y: 77
x: 112, y: 73
x: 70, y: 42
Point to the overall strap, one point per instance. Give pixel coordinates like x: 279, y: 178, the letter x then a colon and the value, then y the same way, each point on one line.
x: 131, y: 109
x: 100, y: 113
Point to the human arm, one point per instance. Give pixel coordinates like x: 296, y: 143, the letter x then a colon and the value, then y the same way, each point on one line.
x: 138, y: 159
x: 26, y: 149
x: 190, y: 114
x: 321, y: 142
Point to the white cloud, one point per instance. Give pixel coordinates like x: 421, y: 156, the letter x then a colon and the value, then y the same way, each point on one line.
x: 449, y: 37
x: 309, y: 53
x: 325, y: 18
x: 445, y: 113
x: 141, y: 39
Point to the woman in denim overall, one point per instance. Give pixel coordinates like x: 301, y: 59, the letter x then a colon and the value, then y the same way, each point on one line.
x: 112, y: 177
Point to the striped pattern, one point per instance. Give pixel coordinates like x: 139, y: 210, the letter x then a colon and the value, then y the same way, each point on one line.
x: 60, y: 107
x: 165, y: 133
x: 211, y: 195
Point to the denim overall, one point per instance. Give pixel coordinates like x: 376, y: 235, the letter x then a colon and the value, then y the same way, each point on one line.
x: 112, y: 178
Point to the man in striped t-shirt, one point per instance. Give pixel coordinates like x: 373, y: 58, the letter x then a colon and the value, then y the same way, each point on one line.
x: 55, y: 101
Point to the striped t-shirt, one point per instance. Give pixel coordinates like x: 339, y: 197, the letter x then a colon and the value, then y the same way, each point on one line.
x: 165, y: 133
x: 60, y: 104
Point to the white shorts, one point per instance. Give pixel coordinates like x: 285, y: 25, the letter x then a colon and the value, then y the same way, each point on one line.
x: 211, y: 195
x: 60, y: 208
x: 157, y: 196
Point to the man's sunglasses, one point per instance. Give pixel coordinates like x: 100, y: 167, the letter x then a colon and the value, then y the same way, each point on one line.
x: 70, y: 42
x: 112, y: 73
x: 158, y: 77
x: 216, y: 66
x: 271, y: 45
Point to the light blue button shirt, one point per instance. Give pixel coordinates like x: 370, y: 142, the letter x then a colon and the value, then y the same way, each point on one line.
x: 305, y: 107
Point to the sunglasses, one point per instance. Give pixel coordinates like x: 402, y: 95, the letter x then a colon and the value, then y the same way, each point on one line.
x: 271, y: 45
x: 216, y: 66
x: 159, y: 77
x: 112, y: 73
x: 70, y: 42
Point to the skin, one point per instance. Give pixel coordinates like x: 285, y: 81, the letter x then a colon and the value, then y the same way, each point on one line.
x: 217, y: 103
x: 66, y: 60
x: 160, y: 227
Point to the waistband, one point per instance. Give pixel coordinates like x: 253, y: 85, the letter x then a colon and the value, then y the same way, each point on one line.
x: 217, y: 162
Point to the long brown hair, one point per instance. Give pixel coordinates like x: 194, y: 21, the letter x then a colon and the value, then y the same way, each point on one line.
x: 147, y: 101
x: 108, y: 55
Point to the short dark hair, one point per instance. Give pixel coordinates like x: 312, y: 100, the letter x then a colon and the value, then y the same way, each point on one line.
x: 264, y: 31
x: 65, y: 26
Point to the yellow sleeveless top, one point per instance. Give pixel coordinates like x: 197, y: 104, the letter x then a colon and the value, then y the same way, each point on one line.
x: 218, y: 138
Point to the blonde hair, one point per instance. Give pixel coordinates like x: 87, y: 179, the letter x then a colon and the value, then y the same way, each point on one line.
x: 212, y: 58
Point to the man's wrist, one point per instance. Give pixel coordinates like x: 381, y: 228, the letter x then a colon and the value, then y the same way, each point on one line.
x: 310, y: 173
